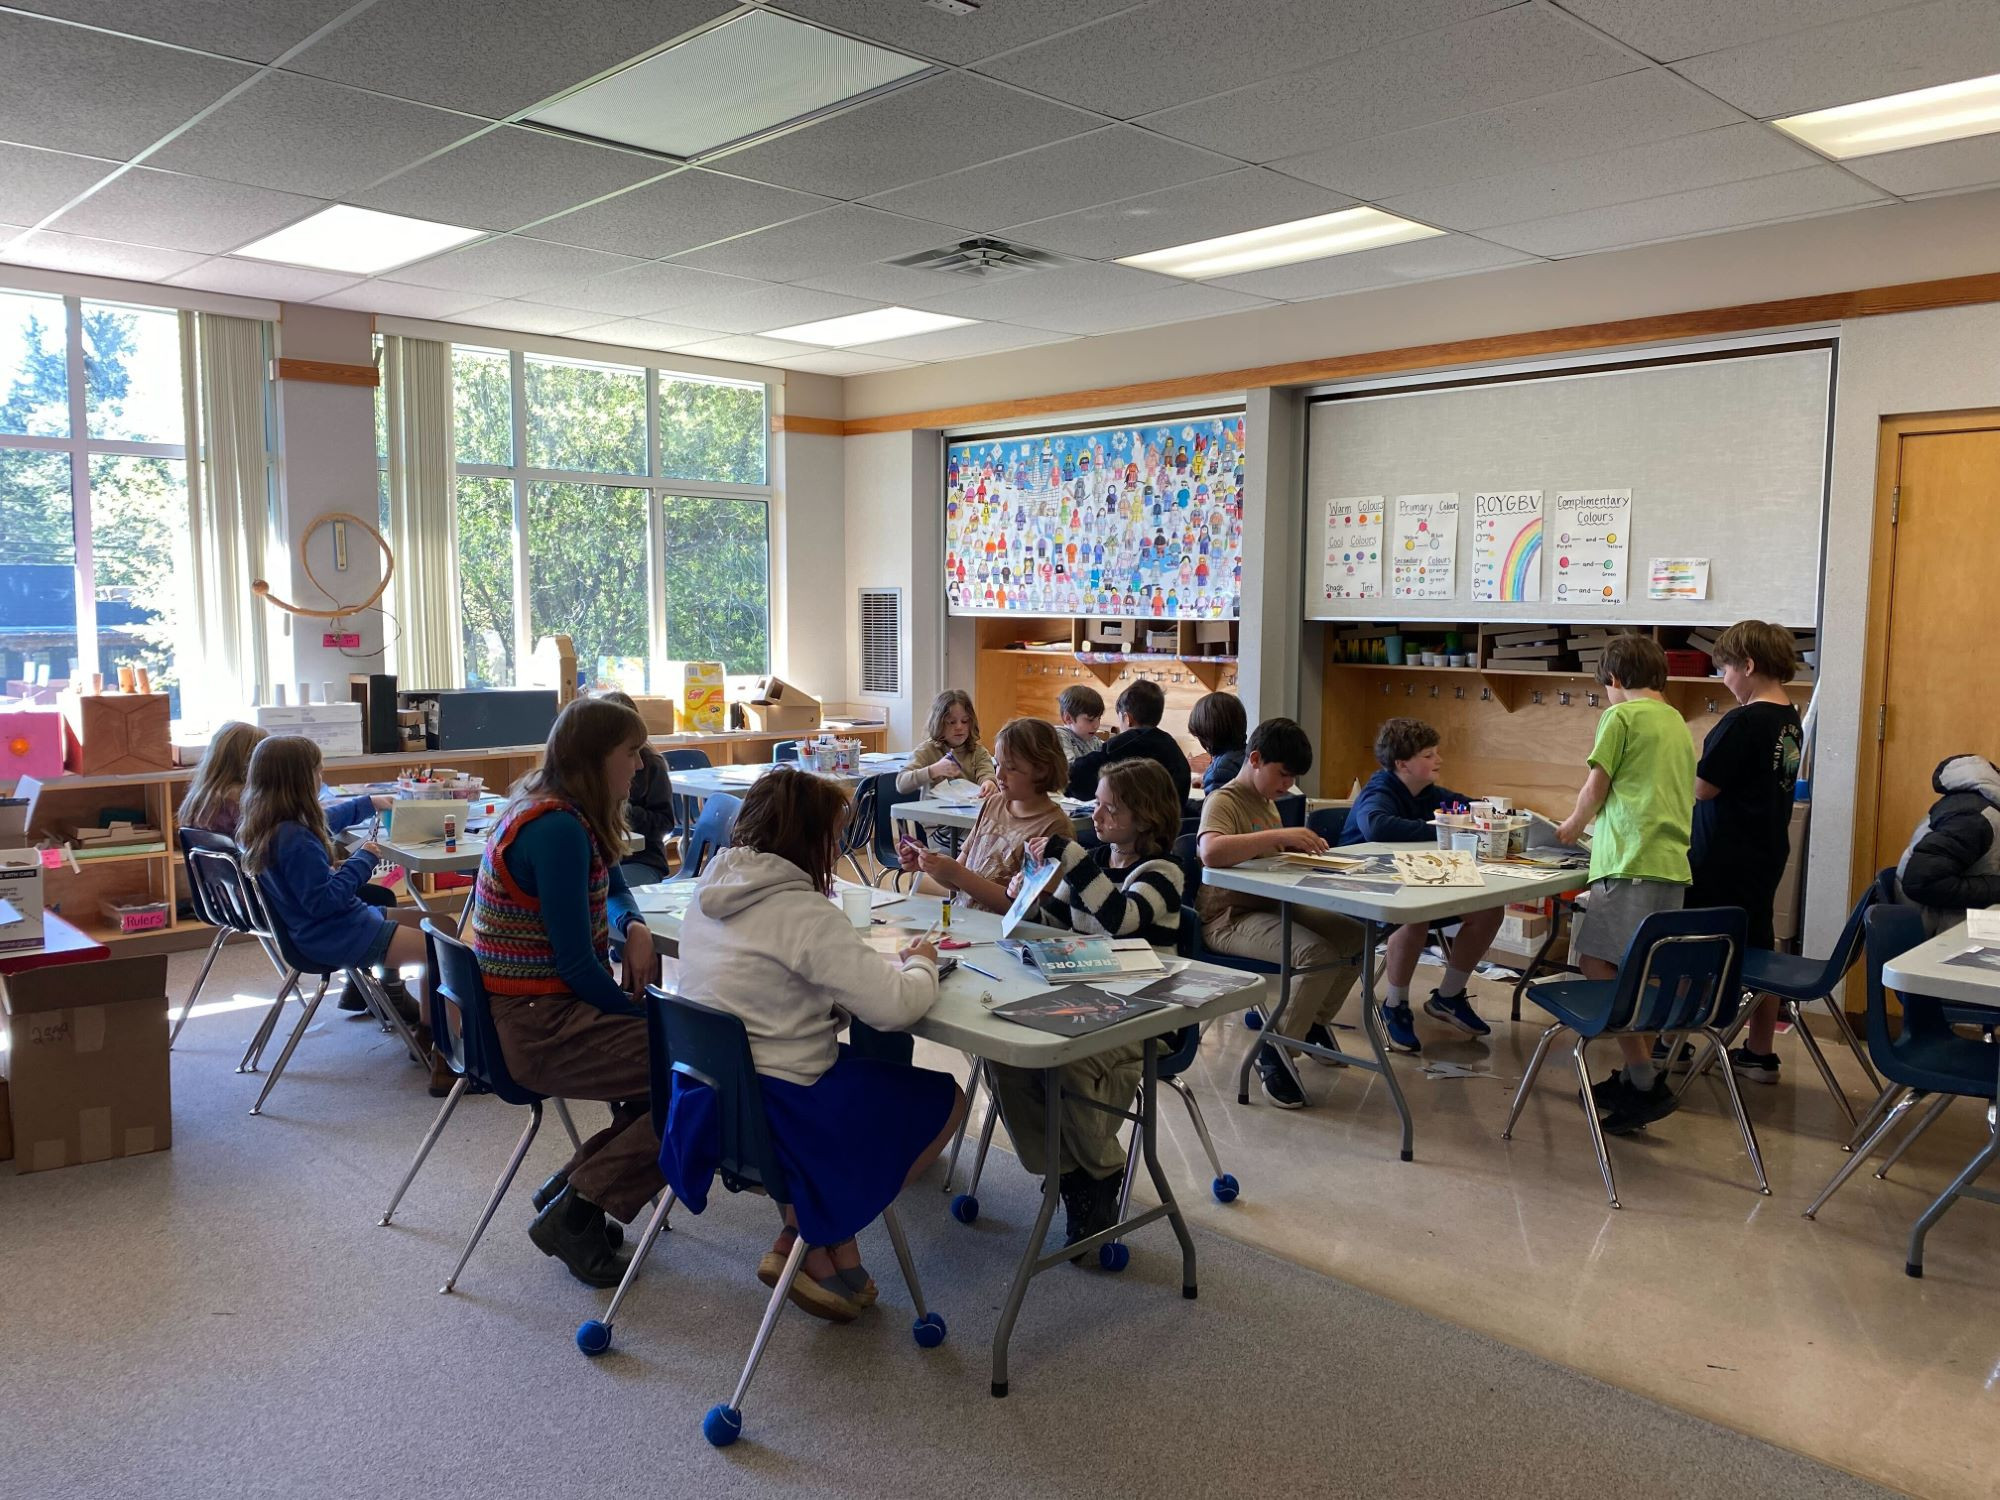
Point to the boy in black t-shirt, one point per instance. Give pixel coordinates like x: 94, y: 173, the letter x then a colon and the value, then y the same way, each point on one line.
x: 1743, y: 806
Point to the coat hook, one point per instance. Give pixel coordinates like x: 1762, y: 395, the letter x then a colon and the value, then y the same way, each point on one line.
x: 1434, y: 690
x: 1458, y: 693
x: 1486, y: 695
x: 1562, y: 696
x: 1535, y: 696
x: 1711, y: 705
x: 1593, y: 699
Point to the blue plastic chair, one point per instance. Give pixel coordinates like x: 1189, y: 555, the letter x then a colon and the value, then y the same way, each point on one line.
x: 1328, y: 822
x: 1188, y: 852
x: 785, y: 752
x: 1682, y: 972
x: 689, y: 1041
x: 886, y: 800
x: 461, y: 1022
x: 1292, y: 809
x: 217, y: 889
x: 1925, y: 1059
x: 712, y: 831
x: 685, y: 808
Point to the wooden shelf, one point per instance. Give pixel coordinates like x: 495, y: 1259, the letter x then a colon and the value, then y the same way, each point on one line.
x: 119, y: 859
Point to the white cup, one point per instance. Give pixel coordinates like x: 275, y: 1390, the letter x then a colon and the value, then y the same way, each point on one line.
x: 1466, y: 839
x: 1501, y: 804
x: 854, y: 900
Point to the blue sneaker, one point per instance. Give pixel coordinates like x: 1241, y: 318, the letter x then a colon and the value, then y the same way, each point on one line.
x: 1456, y: 1012
x: 1402, y: 1028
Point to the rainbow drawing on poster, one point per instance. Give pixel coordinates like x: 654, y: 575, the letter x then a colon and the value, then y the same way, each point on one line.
x: 1507, y: 547
x: 1142, y: 518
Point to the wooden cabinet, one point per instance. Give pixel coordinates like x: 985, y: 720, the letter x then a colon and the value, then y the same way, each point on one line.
x: 1061, y: 651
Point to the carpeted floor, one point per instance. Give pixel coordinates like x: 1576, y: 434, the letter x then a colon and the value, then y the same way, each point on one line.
x: 227, y: 1318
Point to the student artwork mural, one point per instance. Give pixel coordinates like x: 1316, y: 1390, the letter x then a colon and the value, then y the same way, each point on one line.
x: 1140, y: 518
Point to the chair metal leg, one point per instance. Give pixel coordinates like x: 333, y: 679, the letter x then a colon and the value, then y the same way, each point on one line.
x: 1924, y: 1122
x: 1853, y: 1042
x: 423, y: 1151
x: 1534, y: 966
x: 654, y: 1224
x: 187, y: 1005
x: 569, y: 1125
x: 1590, y: 1119
x: 1913, y: 1263
x: 291, y: 1045
x: 377, y: 999
x: 253, y: 1053
x: 972, y: 1083
x: 1869, y: 1121
x: 499, y: 1191
x: 904, y: 1261
x: 1742, y: 1119
x: 1796, y: 1012
x: 1179, y: 1086
x: 771, y: 1310
x: 986, y: 1140
x: 1528, y: 1080
x: 1865, y: 1150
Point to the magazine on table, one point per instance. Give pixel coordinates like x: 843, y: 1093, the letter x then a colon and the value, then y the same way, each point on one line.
x: 1061, y: 960
x: 1075, y: 1010
x: 1976, y: 958
x: 1194, y: 988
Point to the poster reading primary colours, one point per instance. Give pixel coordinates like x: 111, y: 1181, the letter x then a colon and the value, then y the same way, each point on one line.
x: 1144, y: 518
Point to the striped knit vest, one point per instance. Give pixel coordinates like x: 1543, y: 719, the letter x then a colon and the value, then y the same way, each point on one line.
x: 508, y: 936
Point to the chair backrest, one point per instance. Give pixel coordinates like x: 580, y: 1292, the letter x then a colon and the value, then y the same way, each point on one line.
x: 858, y: 832
x: 1682, y: 969
x: 224, y: 895
x: 785, y: 751
x: 1187, y: 854
x: 686, y: 808
x: 461, y: 1018
x: 1893, y: 930
x: 1292, y: 810
x: 704, y: 1045
x: 192, y: 839
x: 1328, y: 822
x: 712, y: 831
x: 885, y: 803
x: 686, y: 760
x: 1853, y: 937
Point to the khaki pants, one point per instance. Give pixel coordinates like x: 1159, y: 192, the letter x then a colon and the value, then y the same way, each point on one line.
x: 1318, y: 937
x: 569, y: 1049
x: 1089, y: 1136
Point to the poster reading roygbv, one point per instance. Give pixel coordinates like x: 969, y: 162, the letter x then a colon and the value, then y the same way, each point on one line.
x: 1142, y: 518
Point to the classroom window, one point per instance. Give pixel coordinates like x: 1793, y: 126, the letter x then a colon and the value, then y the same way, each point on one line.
x: 584, y: 418
x: 486, y: 580
x: 716, y: 573
x: 587, y: 577
x: 711, y: 430
x: 482, y: 389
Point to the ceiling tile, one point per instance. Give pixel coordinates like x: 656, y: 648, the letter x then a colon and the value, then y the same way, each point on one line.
x: 923, y: 130
x: 1032, y: 297
x: 766, y: 307
x: 1914, y: 48
x: 953, y: 39
x: 255, y: 29
x: 748, y: 348
x: 1419, y: 260
x: 645, y: 333
x: 11, y: 232
x: 84, y: 91
x: 1118, y: 162
x: 962, y: 342
x: 840, y: 362
x: 75, y: 252
x: 1491, y: 60
x: 528, y: 317
x: 509, y: 267
x: 680, y: 212
x: 1948, y: 167
x: 1672, y: 29
x: 506, y: 56
x: 821, y: 242
x: 183, y: 213
x: 1599, y: 116
x: 509, y: 177
x: 1156, y: 47
x: 1174, y: 304
x: 402, y: 301
x: 37, y: 183
x: 902, y: 286
x: 260, y: 278
x: 644, y: 289
x: 1730, y: 154
x: 1762, y: 200
x: 1248, y: 198
x: 309, y: 136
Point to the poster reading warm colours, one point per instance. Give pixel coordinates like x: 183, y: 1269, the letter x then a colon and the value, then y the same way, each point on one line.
x: 1144, y: 518
x: 1353, y: 537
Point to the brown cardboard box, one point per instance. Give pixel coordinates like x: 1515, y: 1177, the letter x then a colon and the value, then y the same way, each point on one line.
x: 116, y: 734
x: 87, y: 1062
x: 657, y: 712
x: 772, y: 704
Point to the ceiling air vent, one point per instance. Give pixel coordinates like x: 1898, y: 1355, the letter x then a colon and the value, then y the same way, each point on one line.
x: 882, y: 642
x: 981, y: 258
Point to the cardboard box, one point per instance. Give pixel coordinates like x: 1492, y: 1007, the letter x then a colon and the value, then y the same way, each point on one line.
x: 553, y: 665
x: 116, y: 734
x: 657, y: 712
x: 88, y: 1082
x: 772, y: 705
x: 334, y: 727
x: 31, y: 743
x: 697, y: 690
x: 21, y: 889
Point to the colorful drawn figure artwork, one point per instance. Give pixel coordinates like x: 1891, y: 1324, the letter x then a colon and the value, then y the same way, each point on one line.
x: 1148, y: 516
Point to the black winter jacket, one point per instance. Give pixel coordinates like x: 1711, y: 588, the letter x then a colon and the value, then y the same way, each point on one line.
x: 1953, y: 861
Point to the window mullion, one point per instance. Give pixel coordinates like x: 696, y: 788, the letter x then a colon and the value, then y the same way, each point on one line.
x: 79, y: 494
x: 656, y: 572
x: 523, y: 633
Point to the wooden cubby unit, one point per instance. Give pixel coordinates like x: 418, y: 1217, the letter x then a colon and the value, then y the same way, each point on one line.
x: 1012, y: 681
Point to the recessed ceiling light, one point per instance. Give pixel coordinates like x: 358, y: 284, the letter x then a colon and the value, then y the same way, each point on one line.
x: 1922, y: 117
x: 1282, y: 244
x: 868, y: 327
x: 731, y: 82
x: 344, y: 238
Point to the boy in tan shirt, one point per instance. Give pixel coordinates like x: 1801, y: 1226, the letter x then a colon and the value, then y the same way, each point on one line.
x: 1239, y: 822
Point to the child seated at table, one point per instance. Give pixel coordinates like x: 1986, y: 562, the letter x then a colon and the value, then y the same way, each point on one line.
x: 1218, y: 722
x: 1953, y: 862
x: 214, y: 798
x: 649, y: 809
x: 1081, y: 709
x: 1029, y: 767
x: 1128, y: 886
x: 951, y: 748
x: 762, y: 942
x: 1396, y: 807
x: 1140, y: 709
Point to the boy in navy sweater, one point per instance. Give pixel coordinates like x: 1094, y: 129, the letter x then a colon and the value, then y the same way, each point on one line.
x: 1396, y: 807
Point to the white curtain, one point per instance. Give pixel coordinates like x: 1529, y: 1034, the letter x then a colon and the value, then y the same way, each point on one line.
x: 223, y: 370
x: 423, y: 518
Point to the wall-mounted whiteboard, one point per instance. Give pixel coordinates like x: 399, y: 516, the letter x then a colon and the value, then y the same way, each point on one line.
x: 1725, y: 459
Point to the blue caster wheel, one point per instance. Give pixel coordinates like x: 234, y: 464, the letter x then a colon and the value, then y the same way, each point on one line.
x: 722, y: 1426
x: 1253, y: 1019
x: 965, y: 1208
x: 928, y: 1331
x: 1115, y: 1256
x: 593, y: 1337
x: 1225, y: 1188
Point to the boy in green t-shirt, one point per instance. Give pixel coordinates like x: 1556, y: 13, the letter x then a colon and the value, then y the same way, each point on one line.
x: 1641, y: 791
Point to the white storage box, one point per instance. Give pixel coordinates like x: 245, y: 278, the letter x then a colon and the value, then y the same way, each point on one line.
x: 334, y: 727
x: 21, y: 889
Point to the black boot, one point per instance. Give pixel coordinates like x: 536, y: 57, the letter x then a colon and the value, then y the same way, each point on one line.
x: 1079, y: 1197
x: 572, y: 1230
x: 548, y: 1192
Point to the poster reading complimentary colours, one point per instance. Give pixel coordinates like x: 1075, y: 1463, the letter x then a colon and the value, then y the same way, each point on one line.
x: 1506, y: 546
x: 1141, y: 518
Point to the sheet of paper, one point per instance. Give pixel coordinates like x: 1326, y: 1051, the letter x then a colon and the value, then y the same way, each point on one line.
x: 956, y: 790
x: 1507, y: 546
x: 1437, y: 867
x: 1352, y: 533
x: 1677, y: 578
x: 877, y: 897
x: 1593, y: 541
x: 1037, y: 875
x: 1423, y: 552
x: 663, y: 897
x: 1982, y: 924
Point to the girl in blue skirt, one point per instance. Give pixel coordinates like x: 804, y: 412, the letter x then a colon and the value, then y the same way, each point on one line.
x: 762, y: 941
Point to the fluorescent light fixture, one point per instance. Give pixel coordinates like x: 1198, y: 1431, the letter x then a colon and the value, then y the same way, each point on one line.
x: 1282, y: 244
x: 344, y: 238
x: 1922, y: 117
x: 868, y: 327
x: 731, y: 82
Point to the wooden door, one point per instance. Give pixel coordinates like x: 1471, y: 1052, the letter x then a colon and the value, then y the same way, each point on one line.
x: 1931, y: 649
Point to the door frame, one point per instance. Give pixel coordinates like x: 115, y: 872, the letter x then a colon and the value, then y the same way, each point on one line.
x: 1881, y: 605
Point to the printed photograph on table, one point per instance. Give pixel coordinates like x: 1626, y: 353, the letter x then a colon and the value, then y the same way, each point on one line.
x: 1353, y: 565
x: 1141, y: 518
